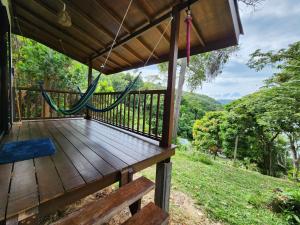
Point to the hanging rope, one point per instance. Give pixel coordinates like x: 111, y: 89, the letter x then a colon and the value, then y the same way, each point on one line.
x: 117, y: 34
x: 188, y: 21
x: 163, y: 33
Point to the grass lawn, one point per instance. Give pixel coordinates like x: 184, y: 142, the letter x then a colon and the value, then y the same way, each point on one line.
x: 229, y: 194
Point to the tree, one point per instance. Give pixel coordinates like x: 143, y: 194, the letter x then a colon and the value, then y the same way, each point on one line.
x: 282, y: 101
x: 203, y: 67
x: 207, y: 132
x: 35, y: 63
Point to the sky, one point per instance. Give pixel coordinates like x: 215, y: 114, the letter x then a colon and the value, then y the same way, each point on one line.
x: 274, y: 24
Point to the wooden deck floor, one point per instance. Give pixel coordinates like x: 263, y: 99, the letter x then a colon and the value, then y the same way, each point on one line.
x: 89, y: 157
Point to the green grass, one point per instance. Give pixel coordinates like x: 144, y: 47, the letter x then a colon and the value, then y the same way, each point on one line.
x: 229, y: 194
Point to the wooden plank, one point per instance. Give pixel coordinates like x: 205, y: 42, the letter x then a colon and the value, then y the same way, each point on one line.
x: 5, y: 174
x: 123, y: 138
x: 70, y: 177
x: 131, y: 150
x: 23, y: 193
x: 149, y: 215
x: 169, y: 97
x: 103, y: 153
x: 101, y: 211
x: 49, y: 182
x: 102, y: 166
x: 104, y: 145
x: 87, y: 171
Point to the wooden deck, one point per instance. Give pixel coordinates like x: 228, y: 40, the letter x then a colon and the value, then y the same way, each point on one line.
x: 89, y: 157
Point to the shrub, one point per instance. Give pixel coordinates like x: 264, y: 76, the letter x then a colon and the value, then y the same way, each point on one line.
x: 288, y: 203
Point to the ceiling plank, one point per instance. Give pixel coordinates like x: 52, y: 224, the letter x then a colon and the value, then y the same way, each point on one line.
x: 143, y: 29
x: 197, y: 31
x: 87, y: 37
x: 29, y: 31
x: 88, y: 19
x: 29, y: 16
x: 146, y: 46
x: 132, y: 52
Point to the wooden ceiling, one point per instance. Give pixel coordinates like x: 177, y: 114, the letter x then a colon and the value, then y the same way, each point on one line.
x: 216, y: 24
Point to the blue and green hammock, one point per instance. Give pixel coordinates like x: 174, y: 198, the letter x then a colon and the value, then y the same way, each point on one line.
x: 85, y: 98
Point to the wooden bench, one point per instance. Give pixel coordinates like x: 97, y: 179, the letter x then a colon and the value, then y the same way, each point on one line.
x: 101, y: 211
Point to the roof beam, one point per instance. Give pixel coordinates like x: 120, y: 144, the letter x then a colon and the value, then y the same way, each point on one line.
x: 197, y: 31
x: 143, y: 29
x: 87, y: 18
x: 74, y: 26
x: 132, y: 52
x: 143, y: 7
x: 147, y: 47
x: 29, y: 16
x: 29, y: 28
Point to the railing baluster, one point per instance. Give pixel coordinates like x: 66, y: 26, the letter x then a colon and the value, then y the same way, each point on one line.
x: 157, y: 115
x: 128, y: 116
x: 150, y: 114
x: 133, y: 111
x: 144, y: 112
x: 138, y: 117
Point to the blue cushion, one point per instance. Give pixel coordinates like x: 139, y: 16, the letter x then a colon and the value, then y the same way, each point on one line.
x: 22, y: 150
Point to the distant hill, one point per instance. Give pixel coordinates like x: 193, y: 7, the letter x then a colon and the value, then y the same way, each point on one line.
x: 193, y: 107
x: 225, y: 101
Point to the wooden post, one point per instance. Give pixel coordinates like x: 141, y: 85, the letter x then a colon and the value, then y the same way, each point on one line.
x: 163, y: 184
x: 4, y: 28
x: 169, y: 97
x: 88, y: 113
x: 126, y: 177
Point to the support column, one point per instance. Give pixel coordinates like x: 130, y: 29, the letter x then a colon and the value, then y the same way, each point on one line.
x: 126, y: 177
x: 4, y: 28
x: 169, y: 97
x: 90, y: 73
x: 163, y: 184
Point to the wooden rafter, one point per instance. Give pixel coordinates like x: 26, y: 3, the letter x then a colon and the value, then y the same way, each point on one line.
x: 74, y: 26
x: 197, y: 31
x: 132, y: 52
x: 89, y: 20
x: 30, y: 16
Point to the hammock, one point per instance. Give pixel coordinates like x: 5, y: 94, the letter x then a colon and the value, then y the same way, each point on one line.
x: 76, y: 107
x: 119, y: 99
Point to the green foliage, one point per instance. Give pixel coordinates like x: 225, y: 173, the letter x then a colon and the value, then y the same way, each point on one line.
x: 287, y: 61
x: 193, y: 107
x: 35, y: 62
x: 288, y: 203
x: 206, y: 132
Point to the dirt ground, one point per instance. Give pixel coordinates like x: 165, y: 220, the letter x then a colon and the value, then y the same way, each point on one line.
x: 183, y: 211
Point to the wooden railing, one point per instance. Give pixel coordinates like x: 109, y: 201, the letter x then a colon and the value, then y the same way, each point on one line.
x: 140, y: 112
x: 30, y: 104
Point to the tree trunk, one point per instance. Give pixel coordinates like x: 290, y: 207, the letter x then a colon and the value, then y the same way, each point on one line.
x: 296, y: 158
x: 183, y: 66
x: 235, y: 147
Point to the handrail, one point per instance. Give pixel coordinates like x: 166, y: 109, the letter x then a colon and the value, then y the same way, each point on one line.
x: 140, y: 112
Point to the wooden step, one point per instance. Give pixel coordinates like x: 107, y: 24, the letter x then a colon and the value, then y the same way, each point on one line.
x: 149, y: 215
x: 102, y: 210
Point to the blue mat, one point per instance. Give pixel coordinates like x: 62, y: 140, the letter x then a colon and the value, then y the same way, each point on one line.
x: 22, y: 150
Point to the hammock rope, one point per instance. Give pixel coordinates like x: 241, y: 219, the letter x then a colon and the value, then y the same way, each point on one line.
x: 119, y: 99
x: 76, y: 107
